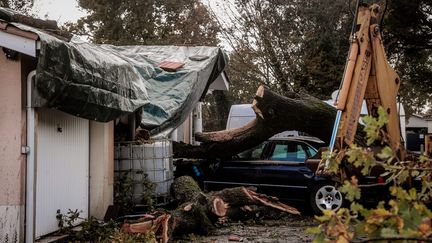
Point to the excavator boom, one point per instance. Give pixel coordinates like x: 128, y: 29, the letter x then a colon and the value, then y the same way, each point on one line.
x: 368, y: 76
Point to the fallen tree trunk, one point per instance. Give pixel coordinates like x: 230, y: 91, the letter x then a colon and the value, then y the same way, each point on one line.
x: 274, y: 114
x: 198, y: 212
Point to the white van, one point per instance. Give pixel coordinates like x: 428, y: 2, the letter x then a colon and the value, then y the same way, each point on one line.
x: 239, y: 115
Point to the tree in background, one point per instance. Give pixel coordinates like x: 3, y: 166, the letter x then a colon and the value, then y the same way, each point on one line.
x: 182, y: 22
x: 302, y: 45
x: 286, y: 45
x: 215, y: 110
x: 326, y: 29
x: 408, y: 38
x: 22, y: 5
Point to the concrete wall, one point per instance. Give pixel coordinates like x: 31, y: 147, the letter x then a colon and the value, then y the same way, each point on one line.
x: 12, y: 162
x: 101, y: 167
x: 183, y: 133
x: 192, y: 124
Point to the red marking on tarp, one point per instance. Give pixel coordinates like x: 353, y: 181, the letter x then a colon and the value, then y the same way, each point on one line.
x: 170, y: 66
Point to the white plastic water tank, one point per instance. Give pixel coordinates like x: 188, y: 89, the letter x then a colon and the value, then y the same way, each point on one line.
x: 152, y: 160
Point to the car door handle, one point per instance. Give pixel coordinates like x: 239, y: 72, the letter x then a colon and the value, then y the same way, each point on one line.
x: 305, y: 170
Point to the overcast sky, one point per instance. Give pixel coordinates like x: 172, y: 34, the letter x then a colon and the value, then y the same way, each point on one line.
x: 67, y: 10
x: 60, y: 10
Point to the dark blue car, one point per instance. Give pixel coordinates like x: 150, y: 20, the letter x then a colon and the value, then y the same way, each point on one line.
x: 280, y: 167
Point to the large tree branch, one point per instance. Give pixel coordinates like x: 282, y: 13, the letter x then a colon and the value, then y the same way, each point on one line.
x: 274, y: 114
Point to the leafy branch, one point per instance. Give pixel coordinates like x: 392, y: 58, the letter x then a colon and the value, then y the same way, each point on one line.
x: 403, y: 217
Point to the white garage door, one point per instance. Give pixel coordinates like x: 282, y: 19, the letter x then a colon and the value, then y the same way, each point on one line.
x: 62, y: 170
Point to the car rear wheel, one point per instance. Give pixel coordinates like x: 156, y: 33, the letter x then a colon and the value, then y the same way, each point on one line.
x: 325, y: 197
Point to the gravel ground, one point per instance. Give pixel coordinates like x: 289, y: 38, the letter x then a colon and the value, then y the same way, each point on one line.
x: 288, y: 229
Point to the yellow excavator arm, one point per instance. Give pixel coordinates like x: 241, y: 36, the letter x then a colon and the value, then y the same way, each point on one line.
x: 368, y: 76
x: 372, y: 79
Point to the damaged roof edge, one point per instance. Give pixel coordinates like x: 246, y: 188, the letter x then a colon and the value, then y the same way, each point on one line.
x: 18, y: 40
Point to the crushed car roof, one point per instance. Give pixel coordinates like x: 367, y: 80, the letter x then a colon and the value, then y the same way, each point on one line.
x: 302, y: 138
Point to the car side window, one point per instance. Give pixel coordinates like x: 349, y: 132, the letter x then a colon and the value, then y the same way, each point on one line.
x: 312, y: 151
x: 289, y: 152
x: 254, y: 153
x: 280, y: 152
x: 301, y: 153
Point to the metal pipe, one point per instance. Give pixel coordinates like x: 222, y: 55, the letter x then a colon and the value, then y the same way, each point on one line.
x: 353, y: 27
x: 132, y: 127
x: 352, y: 38
x: 31, y: 164
x: 197, y: 121
x: 349, y: 70
x: 341, y: 97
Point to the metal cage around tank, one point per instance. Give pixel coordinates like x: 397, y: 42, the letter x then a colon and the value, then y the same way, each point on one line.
x: 139, y: 163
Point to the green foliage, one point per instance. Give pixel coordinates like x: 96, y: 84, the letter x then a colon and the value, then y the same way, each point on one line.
x: 334, y: 227
x: 67, y: 221
x: 386, y: 154
x: 426, y: 193
x: 361, y: 158
x: 373, y: 126
x: 153, y: 22
x: 149, y: 196
x: 403, y: 216
x: 93, y: 230
x: 123, y: 190
x: 351, y: 189
x: 333, y: 162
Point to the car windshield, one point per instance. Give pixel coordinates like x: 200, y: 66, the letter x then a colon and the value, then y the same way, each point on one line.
x: 312, y: 151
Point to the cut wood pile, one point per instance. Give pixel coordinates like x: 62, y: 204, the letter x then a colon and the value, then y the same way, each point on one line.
x: 199, y: 212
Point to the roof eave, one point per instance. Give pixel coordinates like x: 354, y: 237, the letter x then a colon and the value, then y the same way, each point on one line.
x: 18, y: 40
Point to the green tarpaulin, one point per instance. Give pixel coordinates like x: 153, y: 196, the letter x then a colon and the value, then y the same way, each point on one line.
x: 105, y: 82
